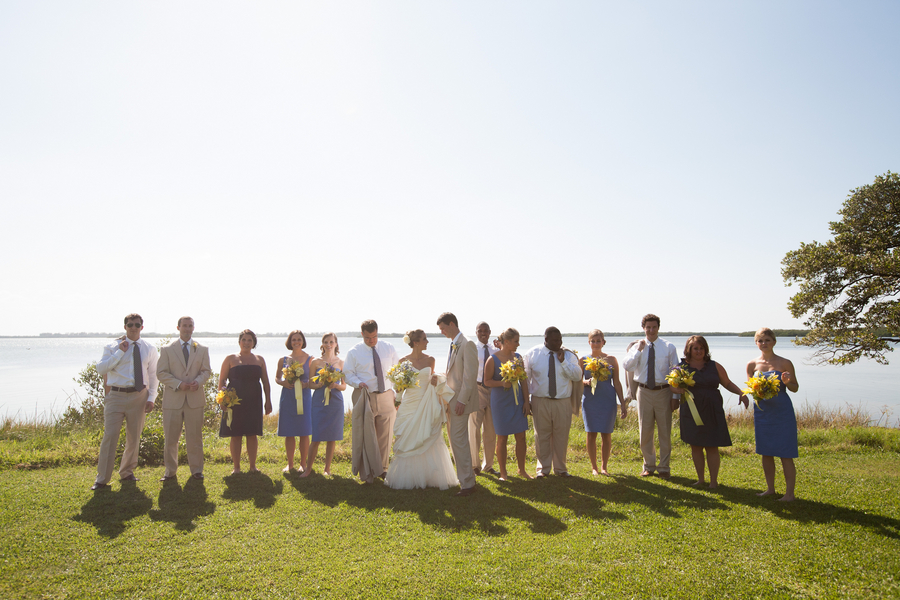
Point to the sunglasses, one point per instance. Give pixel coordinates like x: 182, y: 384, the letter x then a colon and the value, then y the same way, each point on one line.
x: 133, y: 325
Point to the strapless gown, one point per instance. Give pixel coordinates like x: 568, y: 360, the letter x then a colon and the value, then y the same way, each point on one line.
x: 247, y: 417
x: 421, y: 458
x: 775, y: 425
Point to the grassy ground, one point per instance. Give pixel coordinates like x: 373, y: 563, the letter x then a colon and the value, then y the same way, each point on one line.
x: 274, y: 535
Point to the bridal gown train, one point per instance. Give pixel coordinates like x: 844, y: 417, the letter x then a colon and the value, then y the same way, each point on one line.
x: 421, y: 458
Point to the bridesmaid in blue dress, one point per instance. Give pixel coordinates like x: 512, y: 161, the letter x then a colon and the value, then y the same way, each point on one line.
x: 291, y: 423
x: 243, y: 372
x: 599, y: 410
x: 774, y: 421
x: 509, y: 418
x: 327, y: 421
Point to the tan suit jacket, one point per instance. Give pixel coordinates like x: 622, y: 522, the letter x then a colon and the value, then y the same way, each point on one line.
x: 172, y: 370
x: 462, y: 373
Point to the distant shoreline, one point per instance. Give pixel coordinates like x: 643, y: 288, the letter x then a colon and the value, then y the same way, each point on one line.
x: 209, y: 334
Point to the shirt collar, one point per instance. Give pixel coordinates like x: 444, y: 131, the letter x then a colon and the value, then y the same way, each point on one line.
x: 456, y: 338
x: 190, y: 342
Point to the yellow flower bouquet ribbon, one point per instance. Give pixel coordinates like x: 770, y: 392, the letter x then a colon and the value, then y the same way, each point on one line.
x: 292, y: 374
x: 226, y: 399
x: 513, y: 371
x: 328, y: 375
x: 599, y: 370
x: 680, y: 377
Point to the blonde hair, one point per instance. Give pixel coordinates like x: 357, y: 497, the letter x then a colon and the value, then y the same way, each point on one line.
x: 764, y: 331
x: 508, y: 334
x: 596, y: 332
x: 414, y: 336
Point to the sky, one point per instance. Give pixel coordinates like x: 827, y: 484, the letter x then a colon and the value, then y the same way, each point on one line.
x: 283, y: 165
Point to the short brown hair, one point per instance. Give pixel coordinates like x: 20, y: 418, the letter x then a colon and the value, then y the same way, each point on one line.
x: 134, y: 317
x: 287, y: 342
x: 701, y: 341
x: 180, y: 319
x: 595, y: 332
x: 447, y: 318
x: 649, y: 317
x: 250, y: 333
x: 337, y: 345
x: 369, y: 326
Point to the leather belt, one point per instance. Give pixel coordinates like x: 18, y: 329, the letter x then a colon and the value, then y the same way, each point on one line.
x: 653, y: 389
x: 128, y: 390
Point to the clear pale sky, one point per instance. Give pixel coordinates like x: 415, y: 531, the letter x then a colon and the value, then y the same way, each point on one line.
x: 266, y: 164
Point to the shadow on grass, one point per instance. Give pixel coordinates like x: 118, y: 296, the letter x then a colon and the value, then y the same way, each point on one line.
x: 812, y: 511
x: 182, y: 507
x: 258, y: 487
x: 485, y: 510
x: 108, y: 511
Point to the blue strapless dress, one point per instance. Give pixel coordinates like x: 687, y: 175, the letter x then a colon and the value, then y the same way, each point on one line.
x: 775, y: 425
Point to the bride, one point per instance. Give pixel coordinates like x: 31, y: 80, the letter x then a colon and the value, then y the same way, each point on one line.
x: 421, y: 458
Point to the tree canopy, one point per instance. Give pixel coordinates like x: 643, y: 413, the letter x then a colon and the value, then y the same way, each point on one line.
x: 850, y: 285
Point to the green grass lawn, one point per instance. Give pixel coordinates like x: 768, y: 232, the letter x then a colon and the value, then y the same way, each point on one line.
x: 272, y: 535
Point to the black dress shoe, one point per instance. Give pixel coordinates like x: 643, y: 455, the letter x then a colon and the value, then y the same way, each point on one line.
x: 564, y: 474
x: 383, y: 475
x: 466, y: 491
x: 197, y: 475
x: 492, y: 471
x: 129, y: 478
x: 477, y: 470
x: 99, y: 486
x: 165, y: 478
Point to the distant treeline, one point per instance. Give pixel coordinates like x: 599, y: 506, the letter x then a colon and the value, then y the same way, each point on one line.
x: 312, y: 334
x: 779, y: 333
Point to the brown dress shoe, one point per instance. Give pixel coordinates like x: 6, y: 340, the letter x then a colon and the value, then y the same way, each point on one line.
x: 466, y: 491
x: 99, y: 486
x: 664, y: 475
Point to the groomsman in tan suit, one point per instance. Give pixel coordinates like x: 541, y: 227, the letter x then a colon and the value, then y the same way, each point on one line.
x: 462, y: 366
x: 481, y: 421
x: 183, y: 368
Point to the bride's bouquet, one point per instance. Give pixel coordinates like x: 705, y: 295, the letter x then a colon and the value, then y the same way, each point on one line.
x: 599, y: 370
x: 404, y: 376
x: 292, y: 374
x: 328, y: 375
x: 226, y: 399
x: 681, y: 377
x: 763, y: 387
x: 513, y: 371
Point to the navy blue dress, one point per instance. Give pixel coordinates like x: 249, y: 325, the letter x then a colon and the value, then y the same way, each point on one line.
x: 246, y: 417
x: 775, y: 425
x: 289, y: 422
x: 710, y: 407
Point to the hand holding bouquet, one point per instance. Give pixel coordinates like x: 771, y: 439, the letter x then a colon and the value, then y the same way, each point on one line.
x: 512, y: 372
x: 681, y: 377
x: 326, y: 376
x: 763, y: 387
x: 292, y: 374
x: 404, y: 376
x: 226, y: 399
x: 599, y: 370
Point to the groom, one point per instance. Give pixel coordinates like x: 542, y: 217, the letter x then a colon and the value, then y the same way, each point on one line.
x: 462, y: 368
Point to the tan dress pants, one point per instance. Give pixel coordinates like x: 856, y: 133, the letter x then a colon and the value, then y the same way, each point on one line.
x: 655, y: 409
x: 385, y: 415
x: 482, y: 420
x: 552, y: 421
x: 119, y: 407
x: 191, y: 419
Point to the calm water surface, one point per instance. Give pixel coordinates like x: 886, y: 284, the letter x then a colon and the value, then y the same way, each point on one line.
x: 36, y: 374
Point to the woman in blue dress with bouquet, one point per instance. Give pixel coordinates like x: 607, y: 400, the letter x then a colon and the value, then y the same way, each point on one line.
x: 774, y: 421
x: 292, y: 422
x: 327, y: 414
x: 598, y: 408
x: 509, y: 402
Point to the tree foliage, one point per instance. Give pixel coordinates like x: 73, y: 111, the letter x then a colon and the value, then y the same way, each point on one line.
x: 850, y: 285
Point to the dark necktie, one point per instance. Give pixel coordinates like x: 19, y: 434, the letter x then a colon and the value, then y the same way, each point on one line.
x: 487, y: 355
x: 379, y: 375
x: 651, y: 367
x: 138, y: 371
x: 449, y: 356
x: 551, y: 374
x: 184, y: 350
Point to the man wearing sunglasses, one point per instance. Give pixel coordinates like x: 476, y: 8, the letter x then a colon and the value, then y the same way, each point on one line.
x: 129, y: 365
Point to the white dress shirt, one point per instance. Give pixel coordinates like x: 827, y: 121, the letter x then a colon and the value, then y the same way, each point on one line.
x: 359, y: 366
x: 537, y: 367
x: 491, y: 352
x: 118, y: 366
x: 665, y: 359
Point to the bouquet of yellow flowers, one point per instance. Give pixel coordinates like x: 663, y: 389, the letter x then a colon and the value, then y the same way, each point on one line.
x: 328, y: 375
x: 763, y: 387
x: 404, y: 376
x: 513, y: 371
x: 681, y: 377
x: 292, y: 374
x: 226, y: 399
x: 599, y: 370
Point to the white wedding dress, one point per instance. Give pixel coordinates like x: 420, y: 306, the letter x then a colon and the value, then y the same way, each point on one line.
x: 421, y: 458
